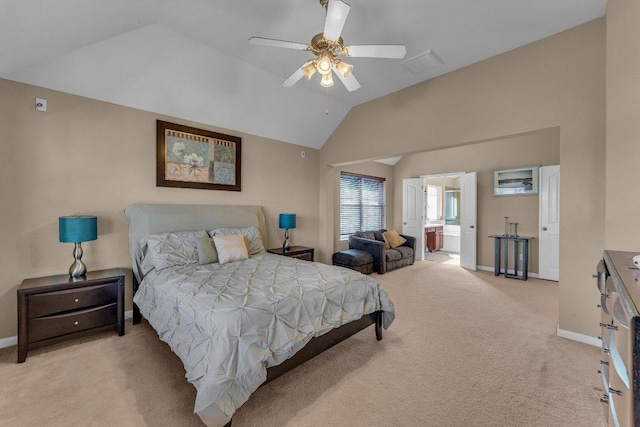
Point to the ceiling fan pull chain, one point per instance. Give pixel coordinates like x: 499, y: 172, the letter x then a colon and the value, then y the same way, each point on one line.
x: 326, y: 101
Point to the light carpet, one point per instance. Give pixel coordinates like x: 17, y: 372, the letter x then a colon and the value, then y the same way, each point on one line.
x: 466, y: 349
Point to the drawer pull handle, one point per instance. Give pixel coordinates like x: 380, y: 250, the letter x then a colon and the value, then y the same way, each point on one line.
x: 76, y: 300
x: 608, y: 326
x: 604, y: 399
x: 75, y: 323
x: 614, y: 391
x: 602, y: 362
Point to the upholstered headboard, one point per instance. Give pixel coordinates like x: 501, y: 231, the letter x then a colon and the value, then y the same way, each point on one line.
x: 146, y: 219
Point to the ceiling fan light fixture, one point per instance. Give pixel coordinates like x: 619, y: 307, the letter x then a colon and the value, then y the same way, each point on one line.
x: 324, y: 64
x: 327, y: 80
x: 309, y: 69
x: 344, y: 69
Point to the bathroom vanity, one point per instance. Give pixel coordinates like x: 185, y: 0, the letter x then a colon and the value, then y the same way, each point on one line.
x: 433, y: 235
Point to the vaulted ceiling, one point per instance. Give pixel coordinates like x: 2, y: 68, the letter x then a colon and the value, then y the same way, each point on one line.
x: 191, y: 58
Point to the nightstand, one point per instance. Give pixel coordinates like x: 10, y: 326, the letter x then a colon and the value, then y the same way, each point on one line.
x: 300, y: 252
x: 54, y: 306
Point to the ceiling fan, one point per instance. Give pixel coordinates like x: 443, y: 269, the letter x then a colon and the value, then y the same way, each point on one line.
x: 328, y: 46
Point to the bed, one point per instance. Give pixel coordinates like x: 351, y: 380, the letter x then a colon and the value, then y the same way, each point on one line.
x: 237, y: 325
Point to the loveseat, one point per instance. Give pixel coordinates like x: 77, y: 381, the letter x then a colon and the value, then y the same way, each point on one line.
x: 384, y: 259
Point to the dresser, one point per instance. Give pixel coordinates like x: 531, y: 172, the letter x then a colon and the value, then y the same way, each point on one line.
x: 619, y: 369
x: 53, y: 306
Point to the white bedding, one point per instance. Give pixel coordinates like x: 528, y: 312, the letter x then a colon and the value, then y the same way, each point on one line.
x: 230, y: 322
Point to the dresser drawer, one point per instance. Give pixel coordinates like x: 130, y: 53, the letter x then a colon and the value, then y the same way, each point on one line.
x: 67, y: 323
x: 60, y: 301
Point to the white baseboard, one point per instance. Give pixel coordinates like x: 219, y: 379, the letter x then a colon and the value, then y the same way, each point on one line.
x: 586, y: 339
x: 8, y: 342
x: 491, y: 269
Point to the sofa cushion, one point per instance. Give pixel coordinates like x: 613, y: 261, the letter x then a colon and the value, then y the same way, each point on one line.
x: 366, y: 235
x: 393, y: 255
x: 406, y: 251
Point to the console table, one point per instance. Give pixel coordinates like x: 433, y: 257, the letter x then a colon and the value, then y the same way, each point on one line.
x: 500, y: 255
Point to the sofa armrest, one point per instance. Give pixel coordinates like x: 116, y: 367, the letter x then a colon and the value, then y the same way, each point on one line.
x: 374, y: 247
x: 410, y: 241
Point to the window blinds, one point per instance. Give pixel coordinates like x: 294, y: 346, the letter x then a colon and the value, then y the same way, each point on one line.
x: 361, y: 203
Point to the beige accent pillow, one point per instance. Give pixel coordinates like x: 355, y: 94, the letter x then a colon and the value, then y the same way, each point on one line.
x: 394, y: 238
x: 231, y: 248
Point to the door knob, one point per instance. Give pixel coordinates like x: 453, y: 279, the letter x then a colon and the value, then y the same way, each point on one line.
x: 472, y: 226
x: 544, y: 228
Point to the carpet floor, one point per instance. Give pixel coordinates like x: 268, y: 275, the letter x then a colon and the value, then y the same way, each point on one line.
x: 466, y: 349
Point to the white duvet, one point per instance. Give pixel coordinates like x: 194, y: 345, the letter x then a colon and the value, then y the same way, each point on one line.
x: 229, y: 323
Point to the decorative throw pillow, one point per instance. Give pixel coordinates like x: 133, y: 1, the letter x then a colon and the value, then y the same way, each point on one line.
x: 387, y: 245
x: 252, y: 234
x: 378, y: 234
x: 231, y: 248
x: 172, y: 249
x: 207, y: 253
x: 394, y: 238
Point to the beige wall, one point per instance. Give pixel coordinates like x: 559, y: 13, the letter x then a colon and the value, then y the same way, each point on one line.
x: 537, y: 148
x: 90, y: 157
x: 623, y: 126
x: 555, y: 82
x: 368, y: 168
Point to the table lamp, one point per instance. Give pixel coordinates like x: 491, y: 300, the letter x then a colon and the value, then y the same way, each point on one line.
x: 287, y: 221
x: 77, y: 229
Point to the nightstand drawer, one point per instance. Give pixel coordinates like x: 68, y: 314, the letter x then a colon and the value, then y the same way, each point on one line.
x: 62, y: 324
x: 72, y: 299
x: 306, y: 256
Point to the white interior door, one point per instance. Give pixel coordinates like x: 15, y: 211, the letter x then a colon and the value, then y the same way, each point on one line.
x: 412, y: 209
x: 468, y: 220
x: 549, y: 247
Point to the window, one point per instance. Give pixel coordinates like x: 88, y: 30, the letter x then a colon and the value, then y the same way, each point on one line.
x: 361, y: 203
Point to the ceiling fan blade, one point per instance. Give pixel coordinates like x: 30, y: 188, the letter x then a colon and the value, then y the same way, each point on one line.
x: 337, y: 12
x: 260, y: 41
x: 350, y: 82
x: 293, y: 78
x: 376, y: 51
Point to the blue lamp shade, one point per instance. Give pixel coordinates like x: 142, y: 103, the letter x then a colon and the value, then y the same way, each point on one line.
x: 79, y: 228
x: 287, y: 221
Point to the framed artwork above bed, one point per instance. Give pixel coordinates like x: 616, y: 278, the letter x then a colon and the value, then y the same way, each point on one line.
x: 187, y: 157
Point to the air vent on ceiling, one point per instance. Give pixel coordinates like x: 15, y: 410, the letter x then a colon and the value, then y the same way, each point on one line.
x: 424, y: 62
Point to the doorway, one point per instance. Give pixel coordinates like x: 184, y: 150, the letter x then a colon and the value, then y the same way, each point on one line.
x: 440, y: 211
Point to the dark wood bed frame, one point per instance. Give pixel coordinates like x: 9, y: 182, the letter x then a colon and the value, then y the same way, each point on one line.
x: 313, y: 348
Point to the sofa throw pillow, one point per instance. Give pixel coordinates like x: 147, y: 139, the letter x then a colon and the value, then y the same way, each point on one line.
x: 207, y: 253
x: 378, y: 234
x: 252, y: 234
x: 394, y: 238
x: 231, y: 248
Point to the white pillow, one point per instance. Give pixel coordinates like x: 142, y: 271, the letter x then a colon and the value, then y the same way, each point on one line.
x: 252, y: 234
x: 231, y: 248
x: 171, y: 249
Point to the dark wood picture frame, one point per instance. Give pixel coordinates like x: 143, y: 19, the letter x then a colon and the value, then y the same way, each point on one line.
x: 207, y: 160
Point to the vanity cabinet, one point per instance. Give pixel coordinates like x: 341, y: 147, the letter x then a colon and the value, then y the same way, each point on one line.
x: 619, y: 369
x: 433, y: 235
